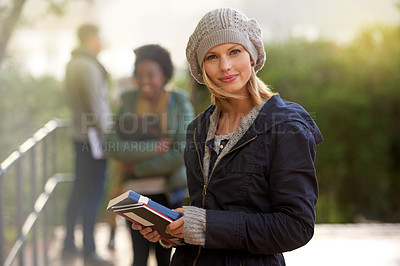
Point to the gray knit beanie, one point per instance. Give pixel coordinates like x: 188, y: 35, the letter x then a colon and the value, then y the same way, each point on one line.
x: 224, y: 25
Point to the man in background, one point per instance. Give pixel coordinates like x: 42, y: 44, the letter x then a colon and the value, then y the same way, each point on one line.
x: 87, y: 90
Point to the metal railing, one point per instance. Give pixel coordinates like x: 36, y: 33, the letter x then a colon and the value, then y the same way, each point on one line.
x: 33, y: 168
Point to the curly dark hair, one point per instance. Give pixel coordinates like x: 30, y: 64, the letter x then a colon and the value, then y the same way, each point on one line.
x: 157, y: 54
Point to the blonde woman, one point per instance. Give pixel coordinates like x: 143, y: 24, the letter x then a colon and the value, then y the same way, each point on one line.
x: 249, y: 156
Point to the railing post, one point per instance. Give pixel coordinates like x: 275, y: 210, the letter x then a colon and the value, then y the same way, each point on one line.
x: 45, y: 222
x: 28, y: 225
x: 53, y: 156
x: 2, y: 225
x: 20, y: 206
x: 33, y: 199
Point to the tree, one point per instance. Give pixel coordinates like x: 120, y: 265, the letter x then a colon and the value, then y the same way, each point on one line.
x: 11, y: 13
x: 8, y: 23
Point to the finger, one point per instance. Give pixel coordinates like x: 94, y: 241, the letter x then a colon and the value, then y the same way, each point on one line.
x: 179, y: 210
x: 146, y: 230
x: 177, y: 233
x: 153, y: 236
x: 176, y: 224
x: 136, y: 226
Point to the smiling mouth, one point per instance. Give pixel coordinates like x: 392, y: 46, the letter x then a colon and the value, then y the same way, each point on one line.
x: 227, y: 79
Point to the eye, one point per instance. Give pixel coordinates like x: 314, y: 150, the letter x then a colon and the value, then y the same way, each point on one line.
x: 211, y: 57
x: 235, y: 51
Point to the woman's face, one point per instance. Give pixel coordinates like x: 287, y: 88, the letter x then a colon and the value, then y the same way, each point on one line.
x: 229, y: 66
x: 150, y: 79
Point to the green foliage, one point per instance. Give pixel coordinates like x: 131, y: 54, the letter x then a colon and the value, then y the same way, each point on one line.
x: 199, y: 94
x: 26, y: 104
x: 353, y: 94
x: 351, y: 91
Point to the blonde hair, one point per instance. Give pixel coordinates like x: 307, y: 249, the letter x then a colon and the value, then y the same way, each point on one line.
x: 256, y: 88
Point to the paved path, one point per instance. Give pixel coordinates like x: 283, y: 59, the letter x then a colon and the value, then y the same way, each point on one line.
x: 350, y: 244
x: 332, y: 245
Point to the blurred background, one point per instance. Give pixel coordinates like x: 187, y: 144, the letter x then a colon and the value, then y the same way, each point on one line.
x: 339, y: 59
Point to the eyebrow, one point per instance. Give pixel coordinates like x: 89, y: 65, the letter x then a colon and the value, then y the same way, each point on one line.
x: 230, y: 48
x: 234, y: 46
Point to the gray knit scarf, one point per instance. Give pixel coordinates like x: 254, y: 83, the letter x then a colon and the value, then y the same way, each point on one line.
x: 244, y: 125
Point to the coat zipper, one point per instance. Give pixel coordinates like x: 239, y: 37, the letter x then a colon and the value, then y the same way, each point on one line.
x: 209, y: 179
x: 201, y: 168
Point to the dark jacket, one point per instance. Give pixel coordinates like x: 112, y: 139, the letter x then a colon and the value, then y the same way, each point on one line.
x: 260, y: 199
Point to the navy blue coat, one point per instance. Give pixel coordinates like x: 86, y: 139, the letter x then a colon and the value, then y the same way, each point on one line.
x: 260, y: 199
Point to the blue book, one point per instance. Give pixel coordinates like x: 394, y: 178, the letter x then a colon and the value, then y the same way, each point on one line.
x: 146, y: 212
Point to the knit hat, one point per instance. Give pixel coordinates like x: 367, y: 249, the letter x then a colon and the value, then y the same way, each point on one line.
x: 224, y: 25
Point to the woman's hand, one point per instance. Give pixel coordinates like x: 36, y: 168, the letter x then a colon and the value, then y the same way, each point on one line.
x: 147, y: 232
x: 176, y: 228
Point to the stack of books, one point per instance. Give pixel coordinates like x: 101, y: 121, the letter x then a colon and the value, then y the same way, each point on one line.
x: 143, y: 211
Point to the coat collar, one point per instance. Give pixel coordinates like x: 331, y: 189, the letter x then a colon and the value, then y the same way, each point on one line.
x: 277, y: 111
x: 83, y: 51
x: 273, y: 113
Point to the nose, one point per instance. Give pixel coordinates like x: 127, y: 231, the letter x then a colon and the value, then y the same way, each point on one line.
x: 143, y: 79
x: 225, y: 64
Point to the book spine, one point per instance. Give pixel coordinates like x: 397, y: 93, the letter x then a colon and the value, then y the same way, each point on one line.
x: 162, y: 214
x: 154, y: 205
x: 164, y: 210
x: 134, y: 196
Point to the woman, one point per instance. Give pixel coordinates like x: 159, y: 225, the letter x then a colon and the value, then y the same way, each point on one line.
x: 249, y: 156
x: 149, y: 139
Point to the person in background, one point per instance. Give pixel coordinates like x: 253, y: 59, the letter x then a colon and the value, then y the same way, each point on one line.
x: 249, y: 156
x: 149, y: 138
x: 87, y: 90
x: 123, y: 85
